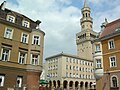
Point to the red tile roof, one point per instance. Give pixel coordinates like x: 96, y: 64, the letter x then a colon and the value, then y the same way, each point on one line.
x: 110, y: 28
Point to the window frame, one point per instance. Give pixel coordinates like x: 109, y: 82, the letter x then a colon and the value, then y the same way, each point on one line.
x: 109, y: 45
x: 97, y: 48
x: 33, y: 63
x: 8, y: 57
x: 27, y: 38
x: 21, y: 80
x: 26, y: 23
x: 10, y: 18
x: 2, y: 76
x: 22, y: 57
x: 98, y: 64
x: 112, y: 61
x: 11, y: 33
x: 112, y: 81
x: 33, y: 38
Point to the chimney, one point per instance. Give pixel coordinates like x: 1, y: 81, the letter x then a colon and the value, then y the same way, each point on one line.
x: 38, y: 22
x: 3, y: 5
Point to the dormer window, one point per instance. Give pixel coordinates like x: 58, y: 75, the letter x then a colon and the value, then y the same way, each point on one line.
x: 117, y: 29
x: 25, y: 24
x: 11, y: 18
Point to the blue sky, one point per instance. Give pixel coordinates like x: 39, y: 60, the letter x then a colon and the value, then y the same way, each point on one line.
x: 61, y: 19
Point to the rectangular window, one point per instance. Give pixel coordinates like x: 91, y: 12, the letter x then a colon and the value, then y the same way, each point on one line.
x: 19, y: 81
x: 66, y: 66
x: 2, y: 78
x: 5, y: 54
x: 22, y: 58
x: 36, y: 40
x: 98, y: 63
x: 8, y: 33
x: 24, y: 38
x: 25, y: 24
x: 111, y: 44
x: 34, y: 59
x: 10, y: 18
x: 66, y: 59
x: 97, y: 47
x: 112, y: 61
x: 66, y: 74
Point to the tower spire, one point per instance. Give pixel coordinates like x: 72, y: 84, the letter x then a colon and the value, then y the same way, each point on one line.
x: 85, y: 3
x: 86, y: 20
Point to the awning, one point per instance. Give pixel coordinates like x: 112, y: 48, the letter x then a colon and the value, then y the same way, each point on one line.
x: 43, y: 82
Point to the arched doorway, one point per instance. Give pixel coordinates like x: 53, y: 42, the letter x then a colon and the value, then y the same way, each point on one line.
x: 71, y: 84
x: 76, y: 85
x: 58, y: 83
x: 65, y: 84
x: 50, y: 84
x: 86, y: 85
x: 90, y: 84
x: 81, y: 85
x: 54, y: 83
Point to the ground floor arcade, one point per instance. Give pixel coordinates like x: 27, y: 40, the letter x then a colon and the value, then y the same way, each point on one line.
x: 72, y: 85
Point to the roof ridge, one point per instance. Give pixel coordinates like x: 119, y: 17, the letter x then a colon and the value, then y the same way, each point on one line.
x: 113, y: 22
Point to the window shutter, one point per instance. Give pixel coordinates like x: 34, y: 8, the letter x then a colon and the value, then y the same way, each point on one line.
x: 1, y: 54
x: 21, y: 36
x: 27, y: 38
x: 25, y: 58
x: 31, y: 59
x: 9, y: 55
x: 11, y: 34
x: 38, y: 59
x: 33, y: 39
x: 39, y: 40
x: 18, y: 56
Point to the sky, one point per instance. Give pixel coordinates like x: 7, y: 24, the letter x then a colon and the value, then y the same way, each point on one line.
x: 61, y: 19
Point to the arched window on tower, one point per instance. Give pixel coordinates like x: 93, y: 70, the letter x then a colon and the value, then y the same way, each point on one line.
x: 89, y: 15
x: 83, y: 15
x: 83, y: 26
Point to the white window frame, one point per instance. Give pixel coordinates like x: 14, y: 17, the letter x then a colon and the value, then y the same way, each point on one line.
x: 8, y: 35
x: 11, y: 18
x: 98, y: 64
x: 23, y: 38
x: 20, y: 81
x: 113, y: 44
x: 66, y: 74
x: 22, y: 57
x: 71, y: 75
x: 97, y: 47
x: 36, y: 41
x: 34, y: 63
x: 66, y: 67
x: 26, y: 23
x: 8, y: 57
x: 112, y: 81
x: 112, y: 61
x: 3, y: 80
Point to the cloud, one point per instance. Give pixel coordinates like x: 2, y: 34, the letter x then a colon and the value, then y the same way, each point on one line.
x: 61, y: 19
x: 111, y: 14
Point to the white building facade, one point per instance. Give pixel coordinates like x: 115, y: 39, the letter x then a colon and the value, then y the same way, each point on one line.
x: 69, y: 72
